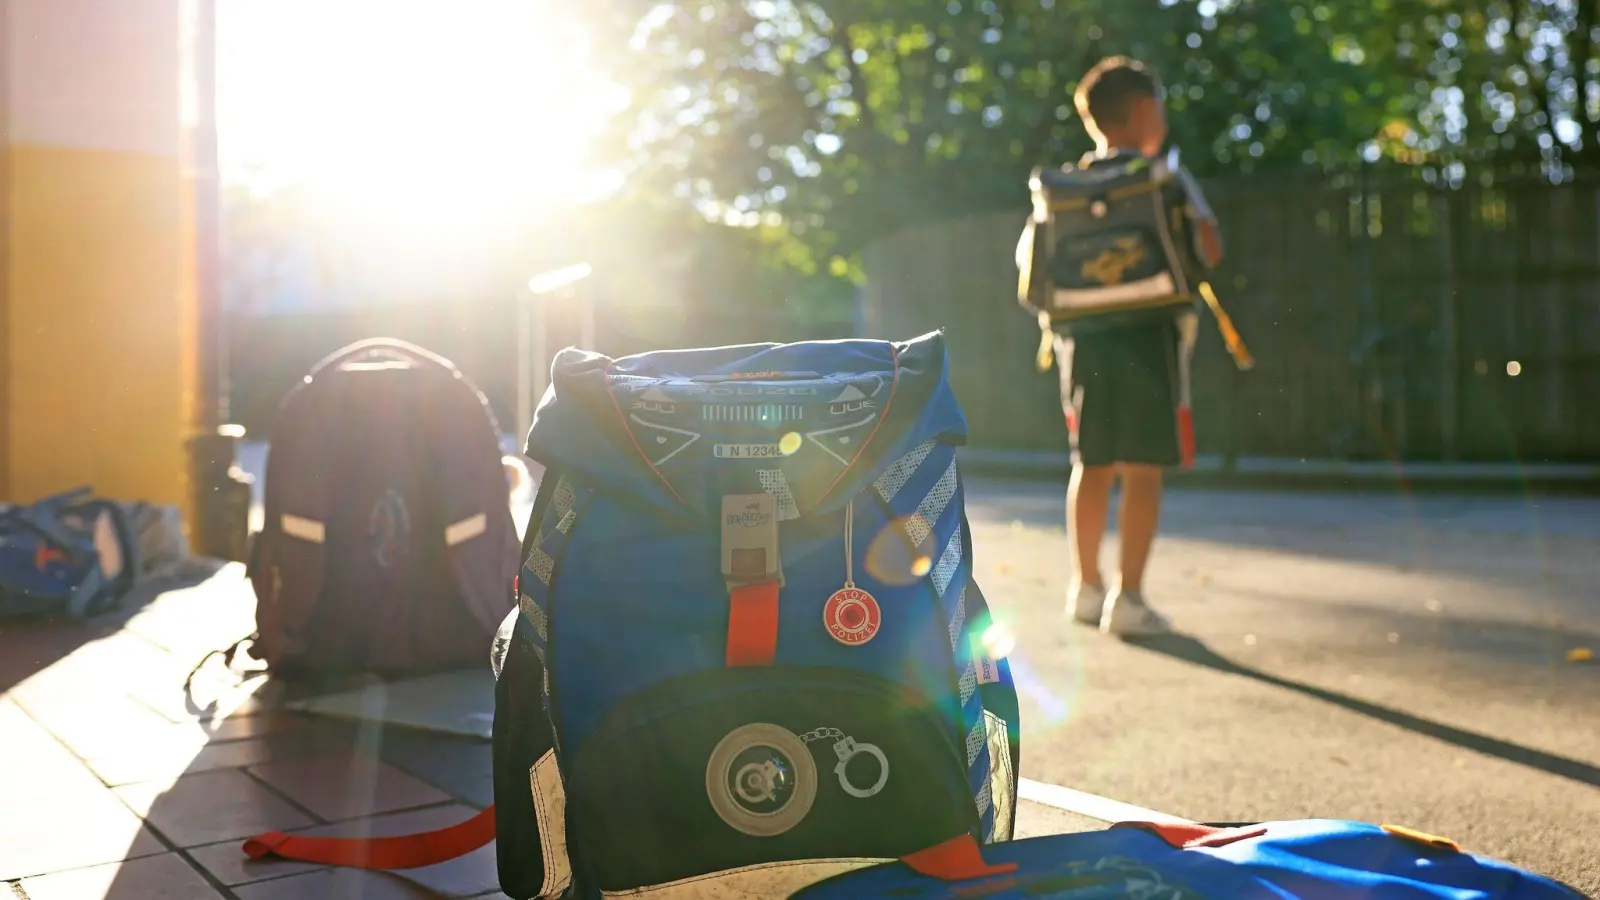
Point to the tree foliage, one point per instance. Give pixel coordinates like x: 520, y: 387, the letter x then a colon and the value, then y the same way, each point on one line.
x: 847, y: 119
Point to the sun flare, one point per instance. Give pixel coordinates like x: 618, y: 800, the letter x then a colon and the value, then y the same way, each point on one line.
x: 432, y: 112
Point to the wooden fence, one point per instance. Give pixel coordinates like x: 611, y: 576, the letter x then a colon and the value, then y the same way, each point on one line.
x: 1392, y: 314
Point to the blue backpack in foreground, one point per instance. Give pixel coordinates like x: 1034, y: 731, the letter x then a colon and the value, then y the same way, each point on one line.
x: 1313, y: 859
x: 749, y: 653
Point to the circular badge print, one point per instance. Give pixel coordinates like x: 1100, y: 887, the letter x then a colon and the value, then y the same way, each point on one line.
x: 761, y: 779
x: 852, y: 616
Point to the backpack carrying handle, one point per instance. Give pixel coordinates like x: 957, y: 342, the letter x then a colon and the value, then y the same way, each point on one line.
x: 377, y: 348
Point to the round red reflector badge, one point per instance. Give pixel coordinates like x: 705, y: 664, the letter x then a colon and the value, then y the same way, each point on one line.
x: 852, y: 616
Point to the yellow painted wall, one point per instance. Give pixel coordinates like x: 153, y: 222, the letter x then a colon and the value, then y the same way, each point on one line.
x: 98, y: 322
x: 97, y: 290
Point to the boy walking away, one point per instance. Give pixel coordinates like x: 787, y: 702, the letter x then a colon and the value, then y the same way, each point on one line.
x: 1122, y: 387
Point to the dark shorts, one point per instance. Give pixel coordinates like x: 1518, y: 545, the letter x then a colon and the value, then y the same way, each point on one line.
x: 1120, y: 391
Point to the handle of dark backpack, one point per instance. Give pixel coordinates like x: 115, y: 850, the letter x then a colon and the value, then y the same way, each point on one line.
x: 377, y: 348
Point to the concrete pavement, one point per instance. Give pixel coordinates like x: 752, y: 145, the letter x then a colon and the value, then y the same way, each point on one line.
x: 1376, y: 657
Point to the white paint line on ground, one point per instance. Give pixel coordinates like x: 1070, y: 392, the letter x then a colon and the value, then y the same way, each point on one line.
x: 1093, y: 806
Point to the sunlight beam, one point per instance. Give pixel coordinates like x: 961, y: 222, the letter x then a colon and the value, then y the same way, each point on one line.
x: 444, y: 116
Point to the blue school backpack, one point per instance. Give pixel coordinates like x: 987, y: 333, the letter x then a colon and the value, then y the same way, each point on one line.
x: 749, y: 652
x: 1312, y: 859
x: 71, y: 554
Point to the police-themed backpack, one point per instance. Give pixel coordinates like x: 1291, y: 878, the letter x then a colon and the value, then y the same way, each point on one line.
x: 749, y: 652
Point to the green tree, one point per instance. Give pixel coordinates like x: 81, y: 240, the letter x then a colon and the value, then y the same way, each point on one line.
x: 852, y: 118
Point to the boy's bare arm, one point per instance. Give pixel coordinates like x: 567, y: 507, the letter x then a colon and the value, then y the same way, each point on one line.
x: 1207, y: 232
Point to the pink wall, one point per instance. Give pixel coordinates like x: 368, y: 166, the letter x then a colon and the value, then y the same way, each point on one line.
x: 94, y: 74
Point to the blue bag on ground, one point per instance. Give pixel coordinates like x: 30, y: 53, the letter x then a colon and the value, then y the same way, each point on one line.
x: 749, y: 652
x: 1313, y: 859
x: 69, y: 554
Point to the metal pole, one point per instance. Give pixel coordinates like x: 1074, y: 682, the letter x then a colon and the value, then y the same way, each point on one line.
x: 211, y: 361
x: 221, y: 491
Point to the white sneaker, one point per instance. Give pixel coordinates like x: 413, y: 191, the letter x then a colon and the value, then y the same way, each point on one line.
x: 1126, y: 614
x: 1086, y: 602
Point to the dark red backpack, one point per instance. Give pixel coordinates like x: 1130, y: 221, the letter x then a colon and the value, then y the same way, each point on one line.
x: 388, y: 544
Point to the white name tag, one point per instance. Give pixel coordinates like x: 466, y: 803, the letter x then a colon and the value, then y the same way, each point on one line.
x: 748, y: 451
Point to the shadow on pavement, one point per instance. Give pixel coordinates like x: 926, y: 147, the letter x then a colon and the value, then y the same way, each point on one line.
x: 268, y: 768
x: 1194, y: 651
x: 135, y: 781
x: 32, y: 645
x: 1500, y: 540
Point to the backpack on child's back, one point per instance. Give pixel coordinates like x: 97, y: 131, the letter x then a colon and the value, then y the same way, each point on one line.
x: 1112, y: 243
x: 1109, y: 244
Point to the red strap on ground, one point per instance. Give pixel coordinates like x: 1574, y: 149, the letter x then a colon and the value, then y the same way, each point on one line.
x: 1192, y: 835
x: 753, y: 624
x: 408, y: 851
x: 957, y: 859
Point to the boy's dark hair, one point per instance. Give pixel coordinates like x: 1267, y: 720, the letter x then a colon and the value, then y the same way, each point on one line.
x: 1107, y: 92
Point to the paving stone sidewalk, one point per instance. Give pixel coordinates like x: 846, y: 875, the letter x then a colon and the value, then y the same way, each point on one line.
x: 119, y: 784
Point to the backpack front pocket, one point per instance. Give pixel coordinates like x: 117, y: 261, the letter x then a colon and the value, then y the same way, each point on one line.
x: 728, y: 769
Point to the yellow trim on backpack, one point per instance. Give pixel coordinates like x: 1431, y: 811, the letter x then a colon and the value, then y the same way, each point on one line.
x: 1230, y: 335
x: 1046, y: 357
x: 1432, y: 840
x: 1025, y: 262
x: 1121, y: 193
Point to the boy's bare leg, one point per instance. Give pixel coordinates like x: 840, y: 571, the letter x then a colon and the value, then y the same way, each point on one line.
x: 1136, y: 524
x: 1088, y: 507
